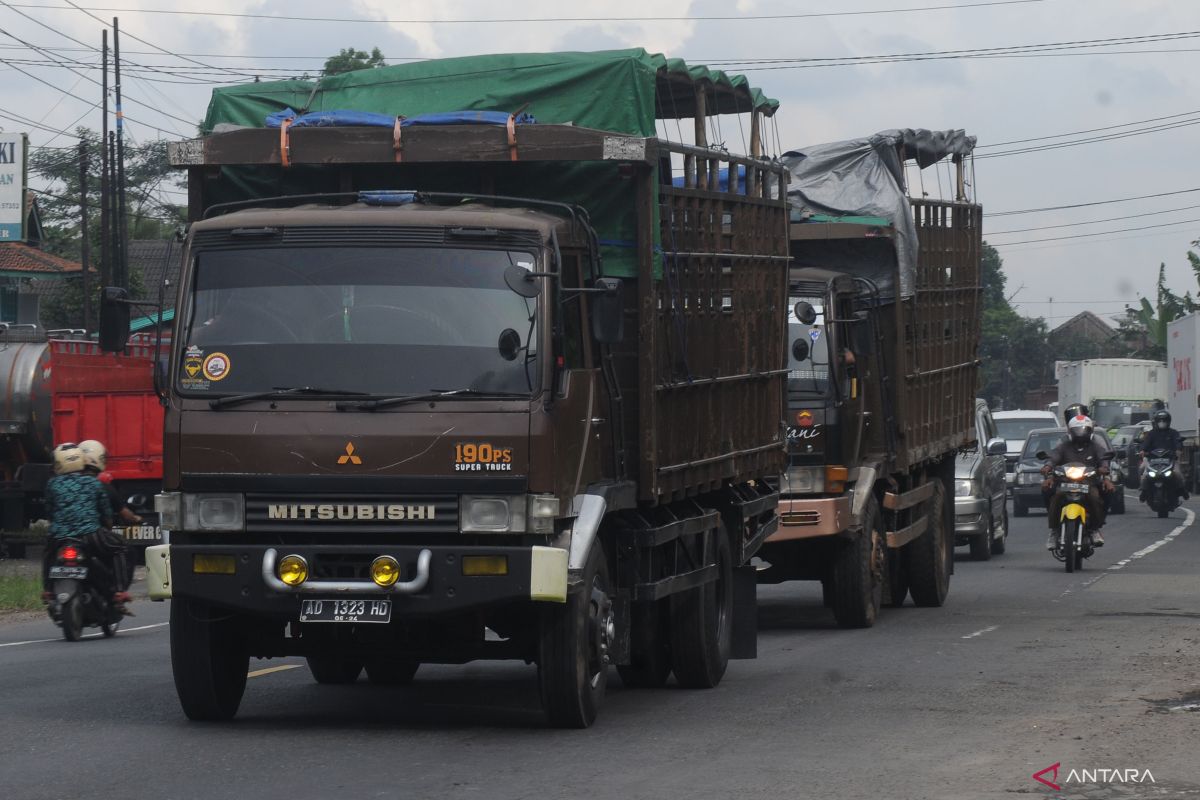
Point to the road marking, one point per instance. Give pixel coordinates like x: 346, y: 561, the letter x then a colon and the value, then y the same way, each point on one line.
x: 1145, y: 551
x: 258, y: 673
x: 988, y: 629
x: 86, y: 635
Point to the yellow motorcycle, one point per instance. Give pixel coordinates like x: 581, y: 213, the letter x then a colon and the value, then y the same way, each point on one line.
x: 1074, y: 481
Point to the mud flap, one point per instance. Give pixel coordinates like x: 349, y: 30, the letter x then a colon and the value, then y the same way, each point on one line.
x: 745, y: 613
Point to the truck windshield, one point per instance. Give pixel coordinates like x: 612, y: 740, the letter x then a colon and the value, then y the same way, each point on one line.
x: 808, y: 375
x: 1114, y: 413
x: 381, y: 321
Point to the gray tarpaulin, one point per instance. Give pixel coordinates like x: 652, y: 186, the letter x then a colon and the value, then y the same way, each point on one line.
x: 865, y: 177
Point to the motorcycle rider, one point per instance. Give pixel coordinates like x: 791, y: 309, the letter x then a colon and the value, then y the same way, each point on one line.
x: 78, y: 506
x: 1163, y: 437
x: 1079, y: 447
x: 1074, y: 410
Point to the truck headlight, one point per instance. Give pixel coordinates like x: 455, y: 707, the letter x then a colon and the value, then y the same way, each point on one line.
x: 964, y: 488
x: 214, y: 512
x: 492, y: 514
x: 169, y: 509
x: 804, y: 480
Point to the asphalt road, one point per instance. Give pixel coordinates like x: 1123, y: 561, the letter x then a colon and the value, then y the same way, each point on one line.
x: 1023, y: 668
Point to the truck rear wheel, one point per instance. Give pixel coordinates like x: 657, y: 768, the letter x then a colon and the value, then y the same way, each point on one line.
x: 926, y: 556
x: 573, y: 648
x: 332, y: 668
x: 858, y: 574
x: 208, y: 660
x: 650, y: 657
x: 702, y: 623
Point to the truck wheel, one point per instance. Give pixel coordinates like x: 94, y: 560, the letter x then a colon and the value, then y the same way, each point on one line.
x: 391, y: 671
x: 981, y: 545
x: 651, y: 649
x: 1000, y: 542
x: 208, y: 659
x: 330, y: 668
x: 573, y: 648
x: 925, y: 556
x: 702, y: 623
x: 858, y: 574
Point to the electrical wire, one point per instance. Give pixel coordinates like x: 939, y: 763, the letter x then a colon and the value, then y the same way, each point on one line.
x: 1092, y: 222
x: 1088, y: 205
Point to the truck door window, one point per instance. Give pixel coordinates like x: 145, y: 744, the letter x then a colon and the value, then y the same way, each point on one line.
x: 376, y: 320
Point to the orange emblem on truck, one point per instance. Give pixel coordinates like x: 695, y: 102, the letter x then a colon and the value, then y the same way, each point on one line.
x: 348, y: 457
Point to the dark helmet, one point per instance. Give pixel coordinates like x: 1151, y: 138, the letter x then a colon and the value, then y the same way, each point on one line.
x: 1162, y: 419
x: 1075, y: 410
x: 1080, y: 429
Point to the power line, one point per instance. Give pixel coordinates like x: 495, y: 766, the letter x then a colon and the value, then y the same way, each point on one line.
x: 1092, y: 140
x: 1093, y: 203
x: 1094, y: 221
x: 1102, y: 233
x: 527, y: 20
x: 1090, y: 130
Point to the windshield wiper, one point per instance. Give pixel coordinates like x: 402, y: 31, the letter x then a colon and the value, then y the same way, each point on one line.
x: 280, y: 391
x: 436, y: 394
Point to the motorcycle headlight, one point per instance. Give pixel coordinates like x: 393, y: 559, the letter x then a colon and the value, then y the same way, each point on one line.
x: 214, y: 512
x: 1166, y: 473
x: 1075, y: 473
x: 964, y: 488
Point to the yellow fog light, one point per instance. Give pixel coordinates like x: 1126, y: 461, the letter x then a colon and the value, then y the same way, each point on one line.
x: 385, y: 571
x: 213, y: 564
x: 293, y: 570
x: 485, y: 565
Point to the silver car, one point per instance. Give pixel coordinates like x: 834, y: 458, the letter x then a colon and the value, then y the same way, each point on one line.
x: 980, y: 510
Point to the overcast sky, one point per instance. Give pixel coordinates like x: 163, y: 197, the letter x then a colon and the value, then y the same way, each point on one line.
x: 998, y: 99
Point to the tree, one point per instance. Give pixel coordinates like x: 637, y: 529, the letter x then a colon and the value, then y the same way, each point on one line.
x: 350, y: 60
x: 1013, y: 348
x: 146, y: 171
x: 1144, y: 328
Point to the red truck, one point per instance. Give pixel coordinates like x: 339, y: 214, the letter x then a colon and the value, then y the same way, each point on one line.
x: 61, y: 387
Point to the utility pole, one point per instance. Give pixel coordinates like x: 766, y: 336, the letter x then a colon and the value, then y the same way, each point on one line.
x: 85, y: 244
x: 105, y: 188
x: 121, y: 249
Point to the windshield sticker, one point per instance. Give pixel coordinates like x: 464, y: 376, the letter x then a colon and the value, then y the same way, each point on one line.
x: 814, y: 334
x: 193, y: 352
x: 482, y: 457
x: 192, y: 366
x: 216, y: 366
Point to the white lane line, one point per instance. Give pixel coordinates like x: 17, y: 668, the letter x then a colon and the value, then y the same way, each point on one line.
x: 86, y: 635
x: 260, y: 672
x: 988, y: 629
x: 1147, y: 550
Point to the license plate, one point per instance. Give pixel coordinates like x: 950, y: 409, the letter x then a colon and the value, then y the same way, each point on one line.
x: 77, y: 573
x: 1082, y: 488
x: 345, y: 610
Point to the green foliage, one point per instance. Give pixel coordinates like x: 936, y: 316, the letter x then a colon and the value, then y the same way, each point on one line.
x: 1144, y: 328
x: 349, y: 60
x: 1013, y: 349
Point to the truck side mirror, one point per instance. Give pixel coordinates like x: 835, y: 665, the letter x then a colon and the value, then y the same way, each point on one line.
x: 608, y: 311
x: 114, y: 319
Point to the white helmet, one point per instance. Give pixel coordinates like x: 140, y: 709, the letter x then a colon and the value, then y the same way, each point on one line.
x: 67, y: 458
x: 94, y: 454
x: 1080, y: 429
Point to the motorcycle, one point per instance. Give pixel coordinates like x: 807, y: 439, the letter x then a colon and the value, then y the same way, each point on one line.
x: 1162, y: 494
x: 76, y: 600
x: 1074, y: 539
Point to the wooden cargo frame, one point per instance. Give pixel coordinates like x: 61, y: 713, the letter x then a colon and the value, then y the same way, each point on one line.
x: 711, y: 332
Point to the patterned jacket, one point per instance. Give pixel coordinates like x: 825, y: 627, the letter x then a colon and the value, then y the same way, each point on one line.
x: 78, y: 505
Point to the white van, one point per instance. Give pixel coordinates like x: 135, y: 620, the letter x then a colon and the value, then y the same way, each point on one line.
x: 1013, y: 426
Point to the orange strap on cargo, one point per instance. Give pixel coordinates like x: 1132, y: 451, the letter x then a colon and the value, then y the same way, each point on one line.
x: 285, y: 146
x: 512, y: 136
x: 396, y: 144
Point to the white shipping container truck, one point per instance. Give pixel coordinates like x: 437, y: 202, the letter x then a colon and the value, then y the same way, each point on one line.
x: 1183, y: 357
x: 1118, y: 391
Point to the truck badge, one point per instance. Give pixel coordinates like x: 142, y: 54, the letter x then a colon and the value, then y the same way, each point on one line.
x: 348, y: 457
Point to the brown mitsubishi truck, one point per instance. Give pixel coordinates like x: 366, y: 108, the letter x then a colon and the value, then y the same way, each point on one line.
x: 420, y: 427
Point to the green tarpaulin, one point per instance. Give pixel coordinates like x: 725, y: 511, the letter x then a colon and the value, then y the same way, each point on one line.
x: 623, y: 91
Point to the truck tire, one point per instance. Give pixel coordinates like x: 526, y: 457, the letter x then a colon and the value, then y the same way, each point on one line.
x: 331, y: 668
x: 573, y: 648
x: 391, y: 671
x: 208, y: 660
x: 702, y: 623
x: 925, y: 556
x: 857, y: 580
x: 650, y: 656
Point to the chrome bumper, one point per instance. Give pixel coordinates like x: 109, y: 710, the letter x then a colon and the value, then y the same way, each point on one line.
x: 806, y: 518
